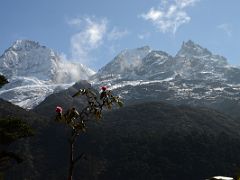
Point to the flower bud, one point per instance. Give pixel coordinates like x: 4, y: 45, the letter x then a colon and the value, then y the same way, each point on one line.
x: 59, y: 109
x: 104, y: 88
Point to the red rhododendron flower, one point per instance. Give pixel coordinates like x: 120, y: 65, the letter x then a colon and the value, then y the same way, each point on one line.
x: 104, y: 88
x: 59, y: 109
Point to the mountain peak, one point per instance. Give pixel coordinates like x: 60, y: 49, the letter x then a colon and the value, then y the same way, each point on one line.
x: 142, y: 51
x: 25, y: 45
x: 190, y: 49
x: 144, y: 48
x: 35, y: 71
x: 126, y: 60
x: 189, y: 43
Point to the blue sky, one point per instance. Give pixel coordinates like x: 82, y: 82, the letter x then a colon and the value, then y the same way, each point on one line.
x: 93, y: 32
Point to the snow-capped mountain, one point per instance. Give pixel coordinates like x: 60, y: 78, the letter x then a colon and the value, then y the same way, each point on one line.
x: 193, y: 76
x: 125, y: 64
x: 35, y: 71
x: 144, y: 64
x: 195, y: 62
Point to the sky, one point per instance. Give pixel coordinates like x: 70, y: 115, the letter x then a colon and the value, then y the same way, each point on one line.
x: 92, y: 32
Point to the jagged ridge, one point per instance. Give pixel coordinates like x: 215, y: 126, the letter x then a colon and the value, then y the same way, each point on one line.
x: 193, y: 76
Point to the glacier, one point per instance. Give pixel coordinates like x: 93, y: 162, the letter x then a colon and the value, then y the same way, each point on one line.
x: 35, y: 71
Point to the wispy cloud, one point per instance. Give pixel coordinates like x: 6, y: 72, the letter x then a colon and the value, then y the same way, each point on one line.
x: 227, y: 28
x: 116, y: 34
x: 91, y: 34
x: 88, y: 38
x: 74, y: 21
x: 144, y: 35
x: 170, y: 15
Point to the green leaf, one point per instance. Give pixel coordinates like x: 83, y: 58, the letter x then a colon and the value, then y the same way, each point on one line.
x: 77, y: 94
x: 80, y: 92
x: 120, y: 103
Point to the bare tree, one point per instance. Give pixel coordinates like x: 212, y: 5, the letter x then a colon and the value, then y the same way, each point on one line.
x: 77, y: 120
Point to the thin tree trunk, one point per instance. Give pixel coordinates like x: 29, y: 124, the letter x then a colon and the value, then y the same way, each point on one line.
x: 1, y: 176
x: 71, y: 161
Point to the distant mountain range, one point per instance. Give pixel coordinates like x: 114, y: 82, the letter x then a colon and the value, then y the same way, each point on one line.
x: 194, y: 76
x: 191, y: 62
x: 35, y: 71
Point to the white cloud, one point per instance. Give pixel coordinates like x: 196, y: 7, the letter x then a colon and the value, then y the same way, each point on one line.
x: 153, y: 15
x: 227, y: 28
x: 170, y: 16
x: 186, y: 3
x: 63, y: 56
x: 74, y: 21
x: 144, y: 35
x: 92, y: 35
x: 116, y: 34
x: 88, y: 38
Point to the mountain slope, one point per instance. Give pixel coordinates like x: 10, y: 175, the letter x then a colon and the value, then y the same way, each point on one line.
x: 34, y: 72
x: 8, y: 109
x: 63, y: 98
x: 160, y: 141
x: 24, y: 147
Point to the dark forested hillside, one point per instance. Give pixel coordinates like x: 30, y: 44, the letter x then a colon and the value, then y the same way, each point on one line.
x: 143, y: 141
x: 160, y: 141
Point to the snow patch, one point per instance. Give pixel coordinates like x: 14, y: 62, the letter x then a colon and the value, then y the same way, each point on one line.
x: 137, y: 83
